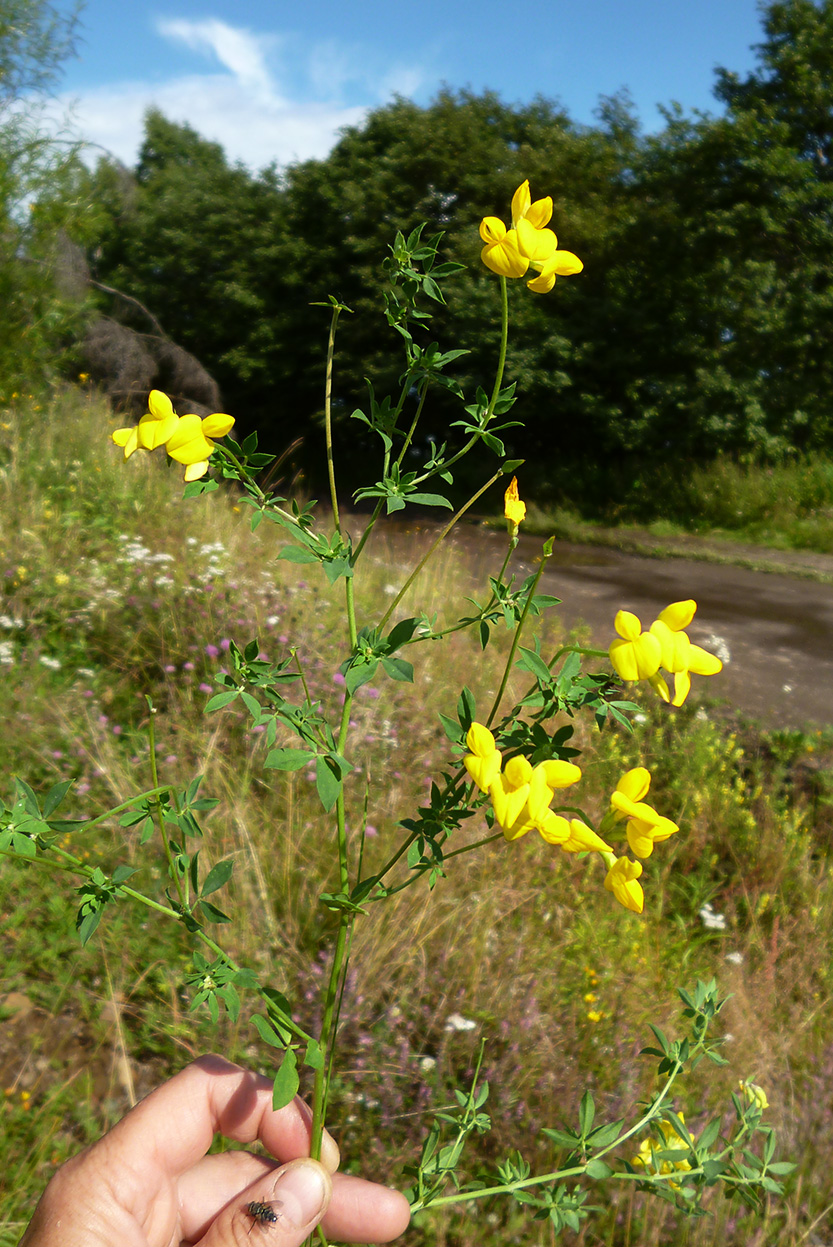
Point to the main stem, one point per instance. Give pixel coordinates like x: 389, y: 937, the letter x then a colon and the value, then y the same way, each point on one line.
x: 339, y: 965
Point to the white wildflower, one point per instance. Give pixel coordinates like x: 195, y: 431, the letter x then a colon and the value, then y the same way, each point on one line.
x: 456, y: 1022
x: 711, y: 920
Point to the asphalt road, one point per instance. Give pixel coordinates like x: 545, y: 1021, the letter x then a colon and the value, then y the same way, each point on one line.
x: 774, y: 632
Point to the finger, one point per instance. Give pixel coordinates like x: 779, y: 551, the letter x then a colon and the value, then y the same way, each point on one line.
x: 359, y: 1211
x: 286, y: 1207
x: 174, y: 1126
x: 365, y: 1212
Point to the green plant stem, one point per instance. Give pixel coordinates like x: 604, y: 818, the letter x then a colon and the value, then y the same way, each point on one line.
x: 504, y: 338
x: 439, y: 540
x: 339, y: 964
x: 74, y: 865
x: 328, y: 416
x: 414, y: 423
x: 126, y: 805
x: 501, y: 364
x: 169, y: 857
x: 508, y: 1188
x: 517, y: 634
x: 263, y: 498
x: 577, y: 649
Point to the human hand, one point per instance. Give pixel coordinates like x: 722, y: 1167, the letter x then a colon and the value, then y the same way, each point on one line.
x: 149, y: 1182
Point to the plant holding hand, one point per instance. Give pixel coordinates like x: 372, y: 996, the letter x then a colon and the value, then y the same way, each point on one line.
x: 151, y: 1183
x: 513, y: 764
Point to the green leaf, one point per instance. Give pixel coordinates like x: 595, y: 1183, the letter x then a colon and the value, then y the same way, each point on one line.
x: 212, y: 913
x: 267, y: 1031
x: 327, y: 782
x: 430, y: 500
x: 586, y: 1113
x: 285, y: 1086
x: 401, y: 633
x: 288, y: 759
x: 221, y: 699
x: 534, y: 662
x: 217, y: 877
x: 55, y: 796
x: 399, y: 669
x: 298, y: 554
x: 598, y: 1169
x: 87, y: 923
x: 314, y: 1057
x: 360, y: 673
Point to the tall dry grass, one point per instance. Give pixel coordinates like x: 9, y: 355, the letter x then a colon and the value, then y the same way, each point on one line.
x: 114, y: 589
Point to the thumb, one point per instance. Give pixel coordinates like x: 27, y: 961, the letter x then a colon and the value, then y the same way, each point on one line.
x: 281, y: 1209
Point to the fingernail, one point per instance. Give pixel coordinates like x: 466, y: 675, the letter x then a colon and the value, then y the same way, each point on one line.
x: 304, y: 1189
x: 330, y: 1155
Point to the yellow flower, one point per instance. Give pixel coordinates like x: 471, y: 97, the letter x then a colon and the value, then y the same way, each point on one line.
x: 154, y: 428
x: 636, y: 655
x: 483, y: 763
x: 513, y: 508
x: 191, y: 444
x: 187, y: 439
x: 651, y: 1149
x: 583, y: 839
x: 645, y: 827
x: 528, y: 244
x: 755, y: 1095
x: 521, y: 797
x: 679, y: 656
x: 621, y: 881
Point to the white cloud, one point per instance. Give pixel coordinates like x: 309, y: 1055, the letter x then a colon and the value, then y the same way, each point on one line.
x: 238, y: 50
x: 258, y: 109
x: 219, y: 108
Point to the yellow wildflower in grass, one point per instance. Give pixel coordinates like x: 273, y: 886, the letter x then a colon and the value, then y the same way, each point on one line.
x: 651, y: 1150
x: 483, y: 763
x: 754, y: 1094
x: 621, y: 880
x: 582, y: 839
x: 187, y: 439
x: 513, y: 508
x: 679, y: 656
x: 645, y: 827
x: 528, y: 244
x: 154, y: 428
x: 521, y: 797
x: 191, y: 442
x: 638, y: 655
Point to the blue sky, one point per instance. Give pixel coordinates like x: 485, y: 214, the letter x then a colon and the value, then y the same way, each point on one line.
x: 272, y: 80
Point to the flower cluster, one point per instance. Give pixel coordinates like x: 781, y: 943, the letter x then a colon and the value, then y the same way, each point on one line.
x: 638, y: 655
x: 528, y: 244
x: 187, y: 439
x: 656, y: 1156
x: 521, y: 796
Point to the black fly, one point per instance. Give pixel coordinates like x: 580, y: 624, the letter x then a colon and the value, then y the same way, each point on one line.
x: 263, y: 1214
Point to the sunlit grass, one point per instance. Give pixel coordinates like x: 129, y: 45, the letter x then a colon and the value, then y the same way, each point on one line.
x: 785, y: 506
x: 129, y: 593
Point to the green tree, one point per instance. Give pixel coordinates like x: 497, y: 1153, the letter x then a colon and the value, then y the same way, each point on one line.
x: 34, y: 40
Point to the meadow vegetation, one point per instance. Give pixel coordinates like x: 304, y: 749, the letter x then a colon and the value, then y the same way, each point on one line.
x: 114, y: 590
x: 785, y: 505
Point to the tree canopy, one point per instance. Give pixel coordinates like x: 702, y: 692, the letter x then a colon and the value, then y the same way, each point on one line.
x: 699, y: 325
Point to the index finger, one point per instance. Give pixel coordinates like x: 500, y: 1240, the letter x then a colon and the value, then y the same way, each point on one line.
x: 174, y: 1126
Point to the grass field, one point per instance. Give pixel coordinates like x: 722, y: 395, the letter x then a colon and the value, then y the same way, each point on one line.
x: 783, y: 506
x: 115, y: 590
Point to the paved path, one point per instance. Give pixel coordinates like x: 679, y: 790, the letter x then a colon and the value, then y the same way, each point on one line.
x: 776, y: 629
